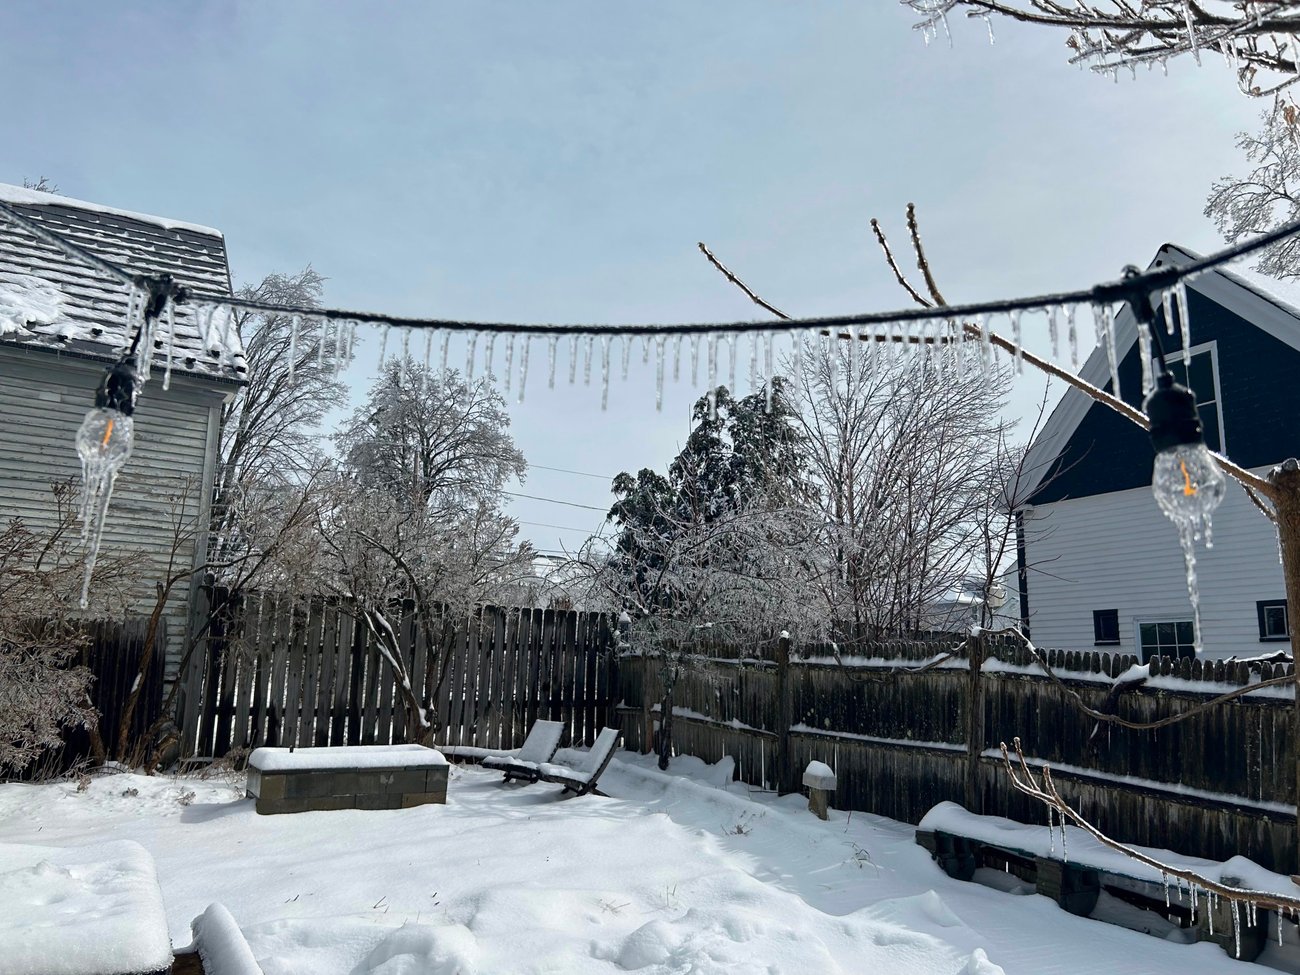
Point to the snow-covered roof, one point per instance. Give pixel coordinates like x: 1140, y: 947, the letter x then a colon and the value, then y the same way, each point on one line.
x: 1271, y: 305
x: 50, y: 299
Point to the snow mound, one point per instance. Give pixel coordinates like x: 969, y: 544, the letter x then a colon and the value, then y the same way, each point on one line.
x: 415, y: 949
x: 221, y: 944
x: 99, y: 905
x: 978, y: 964
x: 26, y: 300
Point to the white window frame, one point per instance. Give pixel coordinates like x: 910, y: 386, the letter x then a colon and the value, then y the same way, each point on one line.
x: 1212, y: 347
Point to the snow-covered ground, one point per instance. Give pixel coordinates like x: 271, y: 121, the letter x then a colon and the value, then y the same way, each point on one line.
x: 670, y: 874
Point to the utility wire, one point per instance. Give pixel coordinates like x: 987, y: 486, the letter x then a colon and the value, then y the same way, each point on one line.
x: 563, y: 528
x: 561, y: 470
x: 571, y: 504
x: 1125, y: 290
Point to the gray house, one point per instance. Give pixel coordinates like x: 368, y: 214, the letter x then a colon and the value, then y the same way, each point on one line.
x: 61, y: 323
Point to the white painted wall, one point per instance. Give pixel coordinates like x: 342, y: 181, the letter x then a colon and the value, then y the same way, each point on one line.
x: 1118, y: 551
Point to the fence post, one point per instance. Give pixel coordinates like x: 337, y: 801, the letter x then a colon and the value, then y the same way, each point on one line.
x: 784, y: 718
x: 974, y: 720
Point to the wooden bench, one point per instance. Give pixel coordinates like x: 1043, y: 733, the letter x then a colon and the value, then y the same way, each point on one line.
x: 286, y: 780
x: 961, y: 842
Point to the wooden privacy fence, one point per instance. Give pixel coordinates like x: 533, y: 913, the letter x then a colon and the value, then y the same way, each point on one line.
x: 275, y: 670
x: 1219, y: 783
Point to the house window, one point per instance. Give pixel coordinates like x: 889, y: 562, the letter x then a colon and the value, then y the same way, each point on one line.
x: 1272, y: 620
x: 1105, y: 627
x: 1174, y: 638
x: 1200, y: 375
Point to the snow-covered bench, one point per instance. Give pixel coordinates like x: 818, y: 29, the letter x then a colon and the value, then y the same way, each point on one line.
x: 286, y: 780
x: 85, y: 910
x: 1074, y: 871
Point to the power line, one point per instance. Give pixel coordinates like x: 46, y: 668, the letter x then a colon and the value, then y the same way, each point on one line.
x: 561, y: 470
x: 1138, y: 286
x: 563, y: 528
x: 571, y: 504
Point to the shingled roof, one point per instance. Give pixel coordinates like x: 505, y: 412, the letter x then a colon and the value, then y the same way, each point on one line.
x: 52, y: 300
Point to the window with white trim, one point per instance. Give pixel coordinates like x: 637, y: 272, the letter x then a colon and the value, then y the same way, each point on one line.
x: 1166, y: 638
x: 1201, y: 376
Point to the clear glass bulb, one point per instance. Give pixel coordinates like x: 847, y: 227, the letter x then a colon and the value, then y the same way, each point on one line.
x: 1188, y: 485
x: 104, y: 440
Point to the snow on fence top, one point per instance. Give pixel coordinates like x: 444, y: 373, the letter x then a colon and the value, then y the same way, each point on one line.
x: 346, y: 757
x: 50, y: 299
x: 81, y: 910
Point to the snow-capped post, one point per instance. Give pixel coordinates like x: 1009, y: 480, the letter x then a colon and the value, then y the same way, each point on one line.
x: 1284, y: 479
x: 820, y: 780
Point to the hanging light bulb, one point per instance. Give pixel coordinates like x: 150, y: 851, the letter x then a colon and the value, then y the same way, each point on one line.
x: 104, y: 443
x: 104, y: 440
x: 1187, y: 482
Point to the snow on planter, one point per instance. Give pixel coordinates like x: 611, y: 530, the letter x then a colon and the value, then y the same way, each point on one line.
x: 284, y: 780
x: 221, y: 944
x: 87, y: 910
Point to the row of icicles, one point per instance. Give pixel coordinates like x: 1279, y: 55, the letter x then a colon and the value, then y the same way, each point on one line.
x: 939, y: 339
x: 1192, y: 895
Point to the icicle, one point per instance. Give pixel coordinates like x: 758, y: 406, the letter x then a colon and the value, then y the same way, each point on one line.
x: 1167, y: 306
x: 986, y: 343
x: 1165, y: 877
x: 1054, y: 331
x: 988, y: 22
x: 753, y: 362
x: 523, y: 367
x: 489, y: 355
x: 1072, y: 333
x: 551, y: 342
x: 406, y: 354
x: 832, y: 359
x: 1191, y: 36
x: 712, y: 348
x: 97, y: 488
x: 1209, y: 909
x: 1144, y: 353
x: 659, y: 372
x: 470, y: 349
x: 510, y: 358
x: 627, y: 353
x: 294, y: 324
x: 1184, y: 322
x: 573, y: 359
x: 1106, y: 327
x: 1051, y: 831
x: 645, y: 349
x: 677, y: 357
x: 171, y: 344
x: 1187, y: 539
x: 586, y: 360
x: 733, y: 346
x: 604, y: 371
x: 1015, y: 337
x: 383, y: 345
x: 1195, y: 900
x: 446, y: 347
x: 320, y: 344
x: 695, y: 360
x: 428, y: 350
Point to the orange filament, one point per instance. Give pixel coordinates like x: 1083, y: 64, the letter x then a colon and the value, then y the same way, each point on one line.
x: 107, y: 433
x: 1189, y: 489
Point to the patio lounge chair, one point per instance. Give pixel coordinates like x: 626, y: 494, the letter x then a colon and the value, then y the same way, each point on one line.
x: 540, y: 745
x: 581, y: 778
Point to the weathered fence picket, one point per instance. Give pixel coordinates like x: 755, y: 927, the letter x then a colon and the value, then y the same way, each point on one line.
x: 277, y: 671
x: 1219, y: 783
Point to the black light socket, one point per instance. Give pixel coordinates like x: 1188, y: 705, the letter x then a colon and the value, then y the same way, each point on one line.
x: 1172, y: 411
x: 119, y: 388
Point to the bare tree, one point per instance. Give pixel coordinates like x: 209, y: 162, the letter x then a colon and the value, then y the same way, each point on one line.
x: 1266, y: 197
x: 43, y: 636
x: 1256, y: 37
x: 270, y: 433
x: 415, y: 514
x: 902, y: 452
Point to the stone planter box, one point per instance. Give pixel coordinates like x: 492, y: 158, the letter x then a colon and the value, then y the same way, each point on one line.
x: 284, y: 780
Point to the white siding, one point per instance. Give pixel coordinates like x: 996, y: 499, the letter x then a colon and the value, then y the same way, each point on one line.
x: 1118, y: 551
x: 43, y: 398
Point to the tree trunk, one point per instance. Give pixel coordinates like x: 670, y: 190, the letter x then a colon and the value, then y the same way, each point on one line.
x: 1286, y: 479
x: 974, y: 722
x: 666, y: 728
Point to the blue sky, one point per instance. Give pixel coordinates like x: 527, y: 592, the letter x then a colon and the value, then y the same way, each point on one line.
x: 558, y: 162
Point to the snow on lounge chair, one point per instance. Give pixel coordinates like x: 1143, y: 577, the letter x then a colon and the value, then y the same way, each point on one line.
x: 581, y: 778
x: 540, y: 745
